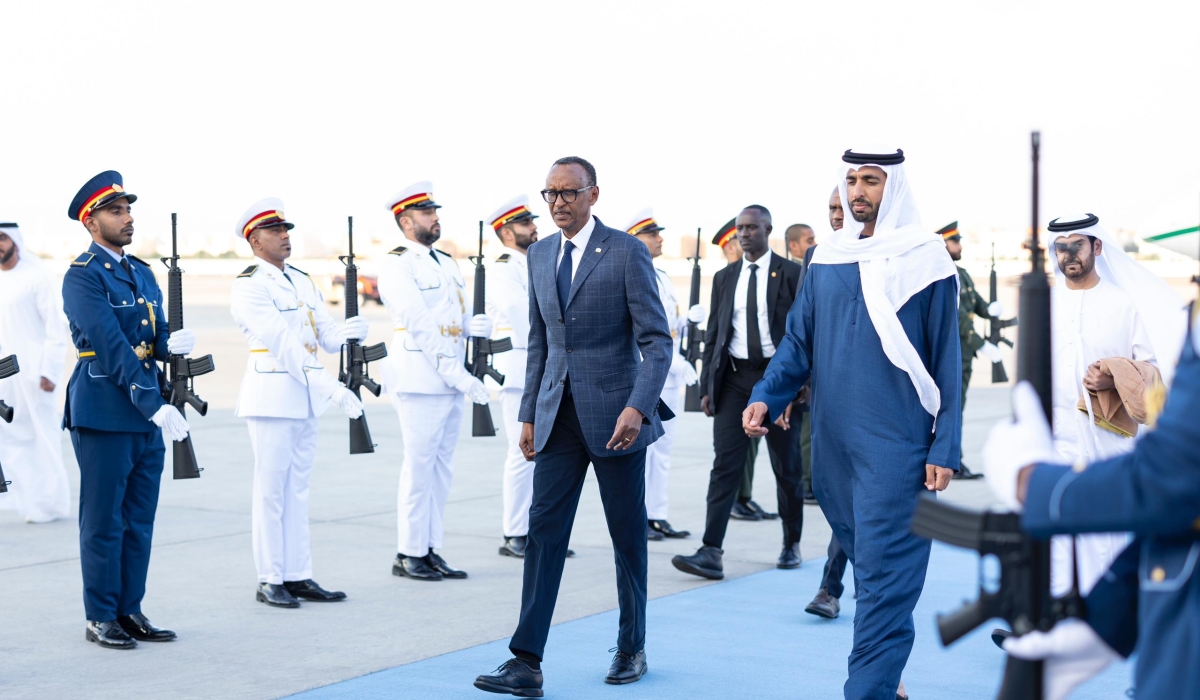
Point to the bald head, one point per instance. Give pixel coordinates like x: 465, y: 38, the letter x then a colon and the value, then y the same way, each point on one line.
x: 799, y: 237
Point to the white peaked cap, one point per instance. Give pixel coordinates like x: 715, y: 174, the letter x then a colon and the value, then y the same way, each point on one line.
x: 643, y: 223
x: 513, y: 210
x: 418, y: 195
x: 267, y: 212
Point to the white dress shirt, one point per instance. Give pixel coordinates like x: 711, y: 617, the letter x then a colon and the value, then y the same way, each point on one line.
x: 738, y: 344
x: 580, y: 242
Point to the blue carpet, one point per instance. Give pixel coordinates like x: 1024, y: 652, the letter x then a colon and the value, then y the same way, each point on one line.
x: 745, y: 638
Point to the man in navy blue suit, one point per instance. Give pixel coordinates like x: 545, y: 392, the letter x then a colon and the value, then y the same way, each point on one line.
x: 115, y: 408
x: 599, y: 354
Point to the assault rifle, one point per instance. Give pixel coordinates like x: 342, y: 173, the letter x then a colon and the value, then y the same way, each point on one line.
x: 480, y: 350
x: 1023, y: 597
x: 691, y: 397
x: 352, y: 363
x: 180, y: 369
x: 8, y: 367
x: 995, y: 326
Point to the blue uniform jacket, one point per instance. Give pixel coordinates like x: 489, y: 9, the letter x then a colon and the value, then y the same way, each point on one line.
x: 114, y: 319
x: 612, y: 340
x: 1153, y: 587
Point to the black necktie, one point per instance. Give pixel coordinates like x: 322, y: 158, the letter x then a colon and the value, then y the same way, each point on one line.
x: 433, y: 254
x: 563, y: 280
x: 753, y: 338
x: 128, y: 270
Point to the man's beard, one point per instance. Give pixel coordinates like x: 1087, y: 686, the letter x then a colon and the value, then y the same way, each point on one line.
x: 1085, y: 268
x: 523, y: 241
x: 116, y: 238
x: 956, y: 256
x: 864, y: 217
x: 427, y: 237
x: 8, y: 256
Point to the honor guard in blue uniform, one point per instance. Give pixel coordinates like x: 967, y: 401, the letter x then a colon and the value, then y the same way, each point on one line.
x: 116, y: 412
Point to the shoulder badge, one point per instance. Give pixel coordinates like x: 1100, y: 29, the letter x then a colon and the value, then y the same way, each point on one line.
x: 398, y: 250
x: 440, y: 252
x: 134, y: 257
x: 83, y: 259
x: 503, y: 258
x: 299, y: 270
x: 248, y: 271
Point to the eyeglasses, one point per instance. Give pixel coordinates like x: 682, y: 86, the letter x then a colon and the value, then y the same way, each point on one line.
x: 568, y: 196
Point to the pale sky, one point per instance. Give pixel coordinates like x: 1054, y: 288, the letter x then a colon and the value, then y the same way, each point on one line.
x: 693, y: 108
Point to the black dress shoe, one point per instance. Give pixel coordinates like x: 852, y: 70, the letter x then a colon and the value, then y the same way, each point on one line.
x: 435, y: 562
x: 999, y: 635
x: 652, y: 534
x: 415, y: 568
x: 964, y: 473
x: 664, y: 527
x: 276, y: 595
x: 626, y: 668
x: 759, y: 509
x: 138, y: 627
x: 706, y: 563
x: 824, y: 605
x: 309, y: 590
x: 741, y: 512
x: 514, y: 547
x: 789, y: 558
x: 514, y: 677
x: 810, y: 499
x: 109, y: 635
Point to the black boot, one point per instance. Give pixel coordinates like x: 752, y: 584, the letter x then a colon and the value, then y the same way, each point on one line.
x: 275, y: 595
x: 514, y: 677
x: 706, y: 563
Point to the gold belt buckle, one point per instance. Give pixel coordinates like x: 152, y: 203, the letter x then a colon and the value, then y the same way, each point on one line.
x: 143, y: 351
x: 311, y: 348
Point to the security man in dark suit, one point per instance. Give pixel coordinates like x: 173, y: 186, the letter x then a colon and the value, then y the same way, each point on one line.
x: 115, y: 410
x: 750, y: 303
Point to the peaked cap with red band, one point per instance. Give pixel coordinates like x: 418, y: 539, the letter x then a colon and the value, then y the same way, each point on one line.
x: 418, y: 195
x: 99, y: 192
x: 949, y: 231
x: 643, y: 223
x: 515, y: 209
x: 726, y: 234
x: 266, y: 213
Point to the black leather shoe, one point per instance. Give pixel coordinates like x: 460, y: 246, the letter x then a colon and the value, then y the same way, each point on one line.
x: 824, y: 605
x: 964, y: 473
x: 789, y: 558
x: 759, y: 509
x: 810, y: 498
x: 626, y: 668
x: 435, y: 562
x: 514, y: 547
x: 414, y: 568
x: 652, y: 534
x: 706, y: 563
x: 276, y: 595
x: 514, y: 677
x: 138, y: 627
x: 741, y: 512
x: 309, y: 590
x: 664, y: 527
x: 999, y: 635
x: 109, y: 635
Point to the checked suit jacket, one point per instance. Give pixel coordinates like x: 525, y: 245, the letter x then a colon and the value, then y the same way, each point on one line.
x: 611, y: 339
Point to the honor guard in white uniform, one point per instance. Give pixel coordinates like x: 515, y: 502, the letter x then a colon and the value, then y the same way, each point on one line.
x: 658, y: 455
x: 284, y: 390
x: 426, y: 376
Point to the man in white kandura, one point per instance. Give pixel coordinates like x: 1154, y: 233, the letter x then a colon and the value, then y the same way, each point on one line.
x: 426, y: 377
x: 1114, y: 326
x: 285, y: 389
x: 34, y: 328
x: 658, y: 455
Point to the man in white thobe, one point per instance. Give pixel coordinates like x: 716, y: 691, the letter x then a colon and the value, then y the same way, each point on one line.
x: 34, y: 328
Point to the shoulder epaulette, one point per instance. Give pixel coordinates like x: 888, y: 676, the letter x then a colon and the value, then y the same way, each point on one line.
x: 134, y: 257
x: 398, y: 250
x: 440, y: 252
x: 83, y: 259
x: 503, y: 258
x: 249, y: 271
x: 299, y: 270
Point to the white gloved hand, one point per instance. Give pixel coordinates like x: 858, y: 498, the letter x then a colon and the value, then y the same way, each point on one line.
x: 995, y: 309
x: 348, y: 402
x: 697, y: 314
x: 172, y: 422
x: 1014, y: 444
x: 1073, y: 653
x: 356, y: 328
x: 475, y: 390
x: 689, y: 375
x: 481, y: 326
x: 991, y: 352
x: 181, y: 342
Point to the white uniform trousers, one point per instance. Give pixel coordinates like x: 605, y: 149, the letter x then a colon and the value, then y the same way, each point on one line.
x: 518, y: 472
x: 284, y: 449
x: 658, y: 459
x: 31, y: 455
x: 429, y: 427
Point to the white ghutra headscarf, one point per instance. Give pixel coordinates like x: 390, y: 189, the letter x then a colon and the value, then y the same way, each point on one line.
x: 900, y: 259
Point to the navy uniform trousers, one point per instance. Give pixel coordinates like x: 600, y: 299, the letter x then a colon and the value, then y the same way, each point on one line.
x: 558, y: 477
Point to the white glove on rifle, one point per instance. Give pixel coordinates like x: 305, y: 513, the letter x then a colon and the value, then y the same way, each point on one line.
x: 681, y: 368
x: 348, y: 402
x: 697, y: 314
x: 181, y: 342
x: 355, y: 329
x: 172, y: 422
x: 995, y: 309
x: 1017, y: 443
x: 481, y: 327
x: 991, y: 352
x: 1073, y: 653
x: 474, y: 389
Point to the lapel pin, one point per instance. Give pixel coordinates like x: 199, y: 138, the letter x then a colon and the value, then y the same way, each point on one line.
x: 599, y: 250
x: 107, y: 266
x: 774, y: 274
